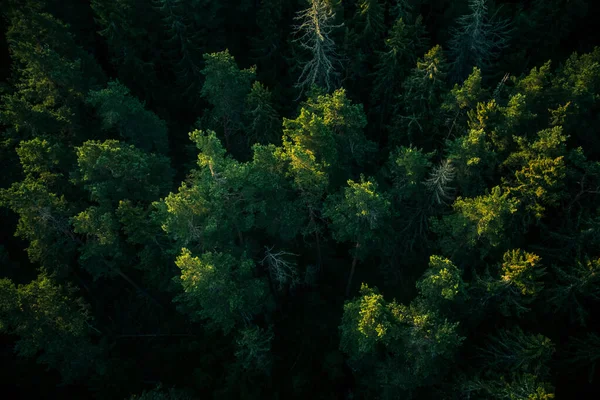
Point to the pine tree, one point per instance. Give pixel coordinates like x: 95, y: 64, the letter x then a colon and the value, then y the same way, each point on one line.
x: 254, y: 348
x: 314, y: 30
x: 370, y: 21
x: 359, y: 216
x: 185, y: 39
x: 216, y: 206
x: 417, y: 119
x: 514, y: 286
x: 262, y: 121
x: 116, y: 176
x: 41, y: 205
x: 477, y: 40
x: 51, y: 78
x: 119, y: 110
x: 402, y: 47
x: 439, y: 181
x: 394, y: 348
x: 226, y: 88
x: 575, y: 284
x: 52, y: 324
x: 220, y: 289
x: 514, y: 350
x: 478, y: 224
x: 404, y: 9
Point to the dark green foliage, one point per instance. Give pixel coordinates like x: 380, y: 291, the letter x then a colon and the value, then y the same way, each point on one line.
x: 225, y: 88
x: 51, y: 325
x: 446, y: 152
x: 403, y: 46
x: 221, y: 289
x: 418, y: 118
x: 111, y: 171
x: 120, y: 111
x: 51, y: 79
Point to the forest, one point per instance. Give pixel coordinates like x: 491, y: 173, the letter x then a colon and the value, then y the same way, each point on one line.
x: 300, y: 199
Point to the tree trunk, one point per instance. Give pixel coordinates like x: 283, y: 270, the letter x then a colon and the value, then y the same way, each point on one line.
x: 354, y: 261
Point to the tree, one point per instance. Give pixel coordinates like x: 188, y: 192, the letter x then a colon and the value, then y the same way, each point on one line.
x: 42, y: 210
x: 220, y: 289
x: 52, y: 325
x: 112, y: 171
x: 51, y: 78
x: 314, y: 29
x: 131, y: 43
x: 477, y: 39
x: 320, y: 148
x: 539, y: 182
x: 268, y: 45
x: 186, y: 42
x: 417, y: 120
x: 269, y: 175
x: 330, y: 126
x: 518, y: 386
x: 254, y: 348
x: 216, y: 206
x: 225, y: 88
x: 575, y: 284
x: 120, y: 111
x: 402, y: 47
x: 477, y: 223
x: 584, y: 351
x: 412, y: 206
x: 441, y: 283
x: 118, y: 177
x: 463, y: 98
x: 281, y: 271
x: 160, y: 394
x: 395, y: 348
x: 514, y: 350
x: 370, y: 20
x: 359, y: 215
x: 514, y: 286
x: 439, y: 180
x: 404, y: 8
x: 263, y: 123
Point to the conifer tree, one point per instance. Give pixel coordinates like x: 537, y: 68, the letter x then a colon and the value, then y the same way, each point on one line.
x: 51, y: 78
x: 418, y: 117
x: 132, y: 43
x: 219, y: 288
x: 120, y: 111
x: 52, y: 325
x: 405, y: 42
x: 514, y: 350
x: 185, y: 39
x: 573, y: 285
x: 360, y: 216
x: 262, y: 121
x: 370, y: 20
x: 314, y: 34
x: 117, y: 176
x: 225, y: 88
x: 477, y: 40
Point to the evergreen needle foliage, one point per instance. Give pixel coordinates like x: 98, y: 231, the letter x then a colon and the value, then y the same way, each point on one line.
x: 307, y: 199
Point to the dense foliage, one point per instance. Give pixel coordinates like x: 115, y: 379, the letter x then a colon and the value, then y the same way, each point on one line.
x: 311, y: 199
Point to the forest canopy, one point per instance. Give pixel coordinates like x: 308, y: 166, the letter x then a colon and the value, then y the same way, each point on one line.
x: 302, y: 199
